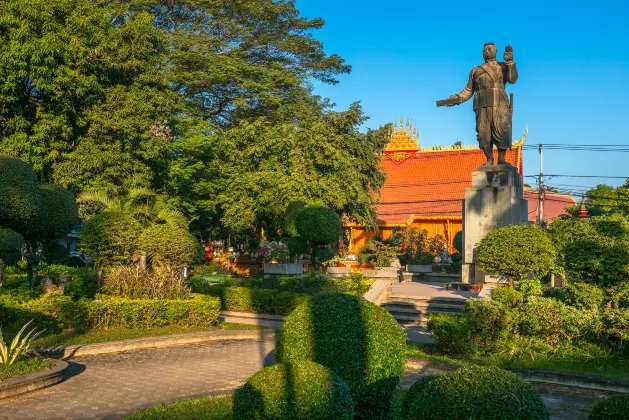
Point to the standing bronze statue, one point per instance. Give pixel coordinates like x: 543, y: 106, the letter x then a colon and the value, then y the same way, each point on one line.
x: 493, y: 109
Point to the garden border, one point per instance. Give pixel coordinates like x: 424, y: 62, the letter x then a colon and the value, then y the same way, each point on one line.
x: 108, y: 347
x: 33, y: 381
x: 569, y: 379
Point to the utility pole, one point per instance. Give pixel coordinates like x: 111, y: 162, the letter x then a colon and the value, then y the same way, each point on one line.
x: 540, y: 190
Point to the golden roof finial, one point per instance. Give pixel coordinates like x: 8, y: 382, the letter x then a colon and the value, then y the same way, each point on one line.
x: 523, y: 137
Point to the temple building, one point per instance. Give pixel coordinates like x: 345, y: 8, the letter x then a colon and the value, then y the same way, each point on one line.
x: 425, y: 188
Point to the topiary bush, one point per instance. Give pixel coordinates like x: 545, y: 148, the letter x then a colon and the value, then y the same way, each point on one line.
x: 489, y: 322
x: 324, y: 254
x: 298, y: 390
x: 474, y: 392
x: 507, y: 296
x: 611, y: 408
x: 58, y: 213
x: 19, y: 192
x: 359, y: 341
x: 297, y: 245
x: 168, y: 244
x: 515, y: 251
x: 413, y: 393
x: 11, y: 244
x: 319, y: 225
x: 457, y: 241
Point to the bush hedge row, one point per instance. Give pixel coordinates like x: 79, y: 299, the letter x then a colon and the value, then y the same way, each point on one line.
x: 257, y: 300
x: 55, y: 312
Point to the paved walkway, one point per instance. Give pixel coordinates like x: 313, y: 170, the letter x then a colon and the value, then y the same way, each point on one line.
x: 429, y: 290
x: 114, y: 386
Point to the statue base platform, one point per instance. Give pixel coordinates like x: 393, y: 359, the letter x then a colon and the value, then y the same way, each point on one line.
x: 494, y: 201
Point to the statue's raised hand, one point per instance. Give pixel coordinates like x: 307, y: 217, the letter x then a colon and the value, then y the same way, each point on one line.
x: 508, y: 55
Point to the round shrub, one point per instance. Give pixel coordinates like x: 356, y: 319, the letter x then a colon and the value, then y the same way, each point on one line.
x: 11, y: 244
x: 19, y: 191
x: 320, y: 225
x: 299, y: 390
x: 57, y: 214
x: 474, y: 392
x: 549, y: 319
x: 456, y: 257
x: 167, y: 244
x: 290, y: 215
x: 457, y: 241
x: 611, y: 408
x: 514, y: 251
x: 324, y: 254
x: 413, y: 393
x: 489, y: 322
x: 359, y: 341
x: 297, y: 245
x: 507, y: 296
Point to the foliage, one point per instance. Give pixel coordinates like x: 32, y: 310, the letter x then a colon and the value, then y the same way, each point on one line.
x: 611, y: 408
x: 11, y: 244
x: 531, y: 287
x: 19, y: 192
x: 416, y: 246
x: 109, y: 237
x: 10, y: 354
x: 24, y: 367
x: 297, y: 245
x: 456, y: 257
x: 381, y: 254
x: 489, y: 322
x: 55, y: 253
x: 299, y: 390
x: 457, y: 241
x: 507, y: 296
x: 170, y: 245
x: 356, y: 339
x: 324, y: 254
x: 207, y: 408
x: 594, y: 249
x: 515, y: 251
x: 111, y: 312
x: 582, y: 296
x: 82, y: 281
x: 256, y: 299
x: 313, y: 283
x: 319, y: 225
x: 290, y: 217
x: 58, y: 213
x: 616, y: 328
x: 273, y: 251
x: 475, y: 392
x: 451, y: 332
x: 618, y: 294
x: 133, y: 283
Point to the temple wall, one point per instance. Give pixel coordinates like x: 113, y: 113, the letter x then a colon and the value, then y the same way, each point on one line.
x: 446, y: 228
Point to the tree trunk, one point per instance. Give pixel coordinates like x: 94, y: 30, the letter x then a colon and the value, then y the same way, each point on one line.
x: 99, y: 278
x: 1, y: 271
x: 511, y: 285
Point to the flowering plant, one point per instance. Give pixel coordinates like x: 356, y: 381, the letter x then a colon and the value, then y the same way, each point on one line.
x: 273, y: 251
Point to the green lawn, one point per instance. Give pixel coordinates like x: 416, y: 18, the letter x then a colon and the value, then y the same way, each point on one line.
x: 23, y: 367
x: 611, y: 367
x: 69, y: 338
x: 207, y: 408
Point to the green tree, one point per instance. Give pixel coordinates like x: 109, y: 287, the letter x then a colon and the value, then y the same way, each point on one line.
x: 109, y: 238
x: 515, y: 251
x: 19, y: 193
x: 56, y: 216
x: 170, y: 245
x: 594, y: 249
x: 11, y: 244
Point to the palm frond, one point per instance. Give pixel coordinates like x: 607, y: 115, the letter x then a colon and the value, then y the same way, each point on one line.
x: 173, y: 217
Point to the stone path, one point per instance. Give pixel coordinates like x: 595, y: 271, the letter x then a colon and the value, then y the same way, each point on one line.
x: 116, y: 385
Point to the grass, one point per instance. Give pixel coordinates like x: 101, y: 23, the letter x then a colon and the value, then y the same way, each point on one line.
x: 24, y: 367
x: 208, y: 408
x: 611, y: 367
x: 70, y: 338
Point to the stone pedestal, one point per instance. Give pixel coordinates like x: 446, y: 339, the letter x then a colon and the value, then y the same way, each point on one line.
x: 495, y: 200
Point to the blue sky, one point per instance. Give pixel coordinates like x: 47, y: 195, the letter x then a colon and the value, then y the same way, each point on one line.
x: 573, y: 62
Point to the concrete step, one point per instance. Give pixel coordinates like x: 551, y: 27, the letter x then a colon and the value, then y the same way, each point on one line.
x: 431, y: 299
x: 425, y: 305
x: 411, y: 320
x: 414, y: 311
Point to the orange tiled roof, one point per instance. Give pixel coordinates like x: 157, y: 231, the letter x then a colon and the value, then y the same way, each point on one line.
x: 431, y: 183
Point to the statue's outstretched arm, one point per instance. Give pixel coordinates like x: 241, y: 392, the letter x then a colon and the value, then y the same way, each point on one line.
x: 469, y: 89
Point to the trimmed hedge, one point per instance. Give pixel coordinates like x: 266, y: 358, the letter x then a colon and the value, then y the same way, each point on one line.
x: 299, y: 390
x: 55, y: 312
x: 256, y: 300
x: 474, y: 392
x: 452, y: 332
x: 611, y: 408
x: 312, y: 284
x: 507, y: 296
x: 359, y: 341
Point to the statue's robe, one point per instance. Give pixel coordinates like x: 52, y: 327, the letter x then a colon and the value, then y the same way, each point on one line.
x: 491, y: 104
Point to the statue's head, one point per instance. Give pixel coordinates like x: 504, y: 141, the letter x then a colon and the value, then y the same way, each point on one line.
x: 489, y: 51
